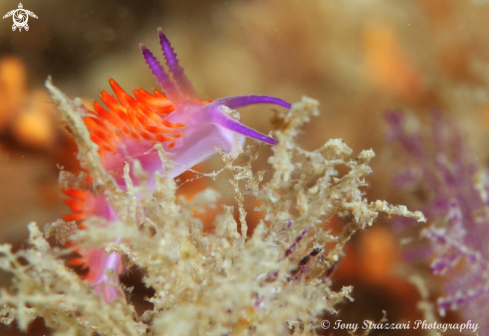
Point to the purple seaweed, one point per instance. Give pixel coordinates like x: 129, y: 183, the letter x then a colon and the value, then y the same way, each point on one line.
x: 457, y: 210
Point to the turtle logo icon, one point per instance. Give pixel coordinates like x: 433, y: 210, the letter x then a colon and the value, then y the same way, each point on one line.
x: 20, y: 16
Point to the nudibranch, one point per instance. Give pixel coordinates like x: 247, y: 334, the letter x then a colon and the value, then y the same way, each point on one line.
x: 188, y: 127
x: 127, y: 128
x: 83, y: 205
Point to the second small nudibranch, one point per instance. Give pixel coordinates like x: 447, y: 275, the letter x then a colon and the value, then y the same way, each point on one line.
x: 128, y: 128
x: 188, y: 127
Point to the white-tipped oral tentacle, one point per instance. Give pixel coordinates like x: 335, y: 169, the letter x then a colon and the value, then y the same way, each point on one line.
x: 220, y: 118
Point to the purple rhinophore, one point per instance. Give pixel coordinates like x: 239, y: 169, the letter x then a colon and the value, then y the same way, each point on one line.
x: 162, y: 77
x: 174, y: 67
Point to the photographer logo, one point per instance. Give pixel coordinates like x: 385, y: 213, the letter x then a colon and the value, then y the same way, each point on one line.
x: 20, y: 17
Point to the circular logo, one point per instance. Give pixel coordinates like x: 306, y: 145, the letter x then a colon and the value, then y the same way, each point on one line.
x: 325, y: 324
x: 20, y: 17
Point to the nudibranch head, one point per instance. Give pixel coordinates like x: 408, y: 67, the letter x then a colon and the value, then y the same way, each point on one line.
x: 188, y: 127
